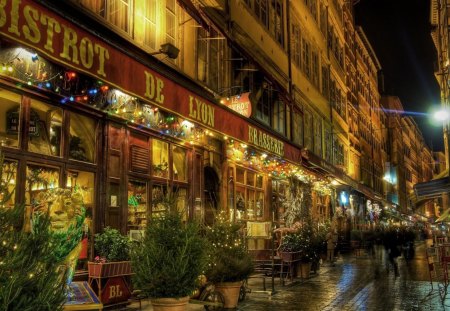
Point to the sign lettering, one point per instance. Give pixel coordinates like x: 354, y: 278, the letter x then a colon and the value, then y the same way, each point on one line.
x: 114, y: 291
x: 29, y: 24
x: 265, y: 141
x: 201, y: 111
x: 32, y: 25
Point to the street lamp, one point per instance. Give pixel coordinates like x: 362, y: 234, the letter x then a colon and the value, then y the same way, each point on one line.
x: 443, y: 116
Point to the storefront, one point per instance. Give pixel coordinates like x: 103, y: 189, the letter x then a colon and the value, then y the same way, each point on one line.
x: 80, y: 114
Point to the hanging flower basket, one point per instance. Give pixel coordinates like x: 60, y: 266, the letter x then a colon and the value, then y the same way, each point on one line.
x: 109, y: 269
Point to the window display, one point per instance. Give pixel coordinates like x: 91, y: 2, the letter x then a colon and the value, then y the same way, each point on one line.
x: 45, y: 130
x: 161, y: 200
x: 249, y: 195
x: 137, y: 205
x: 40, y: 178
x: 10, y: 119
x: 160, y: 157
x: 8, y: 175
x: 179, y: 164
x: 279, y: 192
x: 82, y: 138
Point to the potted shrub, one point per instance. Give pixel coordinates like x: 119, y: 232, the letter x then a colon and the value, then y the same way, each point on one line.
x: 113, y: 255
x: 168, y: 261
x: 111, y: 268
x: 290, y: 248
x: 307, y: 251
x: 319, y: 244
x: 229, y: 262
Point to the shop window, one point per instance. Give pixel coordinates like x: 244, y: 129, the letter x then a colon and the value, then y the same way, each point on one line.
x: 137, y: 206
x: 250, y: 179
x: 159, y: 197
x: 45, y: 130
x: 163, y: 198
x: 40, y: 178
x: 240, y: 172
x: 279, y: 192
x: 160, y: 158
x: 82, y: 138
x: 8, y: 183
x: 259, y: 181
x: 249, y: 195
x: 181, y: 195
x: 179, y: 164
x: 9, y: 119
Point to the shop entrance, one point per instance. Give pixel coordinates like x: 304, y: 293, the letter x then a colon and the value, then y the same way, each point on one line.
x: 211, y: 194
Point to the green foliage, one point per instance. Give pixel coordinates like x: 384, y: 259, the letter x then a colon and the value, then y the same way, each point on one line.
x: 229, y: 261
x: 304, y: 241
x: 170, y: 258
x: 32, y: 276
x: 319, y: 240
x: 112, y: 245
x: 291, y: 243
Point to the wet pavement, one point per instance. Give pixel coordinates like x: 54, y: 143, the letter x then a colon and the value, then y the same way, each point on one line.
x: 354, y: 283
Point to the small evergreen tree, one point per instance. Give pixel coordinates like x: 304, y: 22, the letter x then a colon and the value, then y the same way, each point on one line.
x: 229, y: 260
x: 33, y: 271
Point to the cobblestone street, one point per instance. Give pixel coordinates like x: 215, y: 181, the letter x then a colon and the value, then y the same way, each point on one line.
x: 359, y: 283
x: 354, y: 283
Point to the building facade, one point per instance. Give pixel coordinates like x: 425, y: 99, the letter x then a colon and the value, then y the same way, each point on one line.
x: 236, y: 106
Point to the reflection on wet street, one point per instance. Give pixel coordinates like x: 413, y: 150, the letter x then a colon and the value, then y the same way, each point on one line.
x: 358, y: 283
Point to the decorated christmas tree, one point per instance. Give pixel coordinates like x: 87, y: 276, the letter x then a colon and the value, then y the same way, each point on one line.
x: 33, y: 264
x: 229, y: 260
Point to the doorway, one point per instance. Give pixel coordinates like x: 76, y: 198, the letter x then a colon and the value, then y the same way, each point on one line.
x: 211, y: 194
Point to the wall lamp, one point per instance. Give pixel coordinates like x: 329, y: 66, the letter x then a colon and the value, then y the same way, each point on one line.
x: 168, y: 49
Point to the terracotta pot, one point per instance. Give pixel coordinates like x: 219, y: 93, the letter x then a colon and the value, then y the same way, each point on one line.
x: 230, y: 292
x: 170, y: 304
x: 305, y: 268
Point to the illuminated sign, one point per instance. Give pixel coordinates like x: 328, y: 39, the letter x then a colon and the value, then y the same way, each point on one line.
x: 239, y: 103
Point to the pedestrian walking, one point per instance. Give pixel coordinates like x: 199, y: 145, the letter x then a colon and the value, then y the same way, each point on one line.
x: 332, y: 238
x: 391, y: 244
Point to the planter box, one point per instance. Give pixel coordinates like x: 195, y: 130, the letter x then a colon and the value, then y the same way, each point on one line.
x: 290, y: 256
x: 109, y: 269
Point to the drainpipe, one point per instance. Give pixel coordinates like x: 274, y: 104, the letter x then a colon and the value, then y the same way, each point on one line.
x: 289, y: 52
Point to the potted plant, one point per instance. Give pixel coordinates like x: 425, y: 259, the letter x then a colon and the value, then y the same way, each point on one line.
x: 290, y: 248
x: 168, y: 261
x: 319, y: 244
x: 111, y: 268
x: 113, y: 255
x: 307, y: 251
x: 229, y: 262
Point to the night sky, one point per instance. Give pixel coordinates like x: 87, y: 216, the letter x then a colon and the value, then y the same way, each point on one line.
x: 400, y: 34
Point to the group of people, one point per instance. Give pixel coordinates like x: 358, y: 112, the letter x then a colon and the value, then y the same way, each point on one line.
x: 394, y: 240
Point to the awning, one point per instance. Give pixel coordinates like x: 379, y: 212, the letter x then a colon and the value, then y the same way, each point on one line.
x: 445, y: 217
x: 433, y: 188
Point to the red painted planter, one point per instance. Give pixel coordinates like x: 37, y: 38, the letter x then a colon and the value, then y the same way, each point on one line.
x: 109, y: 269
